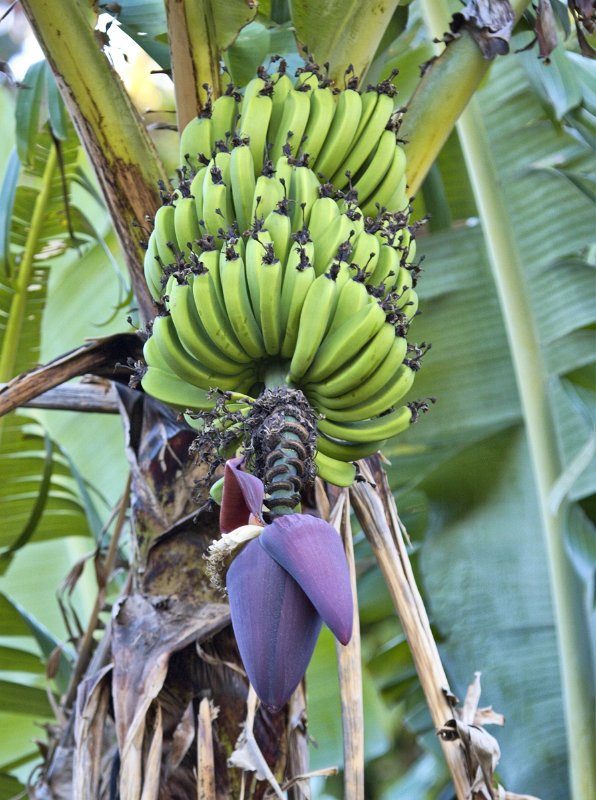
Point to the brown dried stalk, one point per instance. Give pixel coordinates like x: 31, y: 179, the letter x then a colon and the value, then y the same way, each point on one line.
x: 375, y: 508
x: 349, y: 662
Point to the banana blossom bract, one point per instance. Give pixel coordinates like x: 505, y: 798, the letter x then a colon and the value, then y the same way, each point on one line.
x: 282, y: 586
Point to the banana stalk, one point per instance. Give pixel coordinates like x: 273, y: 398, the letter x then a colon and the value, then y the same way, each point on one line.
x: 195, y: 57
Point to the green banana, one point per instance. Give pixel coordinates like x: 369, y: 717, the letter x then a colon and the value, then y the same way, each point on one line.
x: 340, y: 473
x: 346, y: 451
x: 223, y: 118
x: 269, y: 277
x: 238, y: 306
x: 339, y: 139
x: 383, y: 374
x: 213, y: 315
x: 304, y: 191
x: 196, y: 191
x: 385, y: 190
x: 386, y: 269
x: 167, y: 387
x: 307, y: 76
x: 327, y: 246
x: 315, y: 317
x: 282, y: 84
x: 361, y: 367
x: 369, y: 101
x: 294, y: 120
x: 165, y: 234
x: 346, y: 341
x: 320, y: 118
x: 399, y: 200
x: 255, y: 251
x: 267, y: 194
x: 243, y: 182
x: 365, y: 252
x: 278, y: 226
x: 382, y: 400
x: 186, y: 223
x: 370, y: 429
x: 192, y: 334
x: 215, y: 204
x: 152, y: 269
x: 182, y: 364
x: 373, y: 172
x: 323, y: 214
x: 283, y: 172
x: 253, y: 124
x: 254, y: 87
x: 402, y: 285
x: 297, y: 278
x: 366, y: 141
x: 195, y: 141
x: 352, y: 298
x: 410, y: 309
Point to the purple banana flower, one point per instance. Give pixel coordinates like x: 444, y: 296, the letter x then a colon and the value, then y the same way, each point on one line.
x: 282, y: 586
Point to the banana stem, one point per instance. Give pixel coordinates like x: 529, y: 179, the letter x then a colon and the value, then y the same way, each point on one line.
x: 195, y: 57
x: 276, y: 375
x: 532, y: 383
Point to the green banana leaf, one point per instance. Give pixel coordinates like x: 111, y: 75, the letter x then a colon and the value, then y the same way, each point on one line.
x: 39, y: 496
x: 483, y: 560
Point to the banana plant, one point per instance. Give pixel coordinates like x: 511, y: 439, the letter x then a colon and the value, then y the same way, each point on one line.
x: 276, y: 289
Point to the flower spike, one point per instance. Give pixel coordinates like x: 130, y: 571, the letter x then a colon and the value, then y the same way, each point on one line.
x: 311, y: 551
x: 275, y: 624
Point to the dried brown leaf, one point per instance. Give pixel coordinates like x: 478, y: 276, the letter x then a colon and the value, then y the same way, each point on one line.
x: 545, y: 29
x: 152, y: 765
x: 471, y: 700
x: 146, y: 632
x: 247, y: 754
x: 100, y: 357
x: 182, y: 739
x: 377, y: 514
x: 489, y: 22
x: 92, y: 705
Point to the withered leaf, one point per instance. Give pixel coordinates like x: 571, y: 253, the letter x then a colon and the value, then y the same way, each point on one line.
x: 489, y: 22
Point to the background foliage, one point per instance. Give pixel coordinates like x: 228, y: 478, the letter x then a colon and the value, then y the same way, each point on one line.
x: 462, y: 477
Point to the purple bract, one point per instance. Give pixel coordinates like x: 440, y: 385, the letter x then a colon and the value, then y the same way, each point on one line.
x: 282, y: 585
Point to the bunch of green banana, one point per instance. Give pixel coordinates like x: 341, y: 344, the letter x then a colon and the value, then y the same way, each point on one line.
x: 347, y: 135
x: 284, y: 256
x: 284, y: 307
x: 224, y: 199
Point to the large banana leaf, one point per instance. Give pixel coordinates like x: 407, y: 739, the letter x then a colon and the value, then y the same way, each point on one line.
x: 40, y: 493
x: 43, y: 221
x: 483, y: 560
x: 39, y: 496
